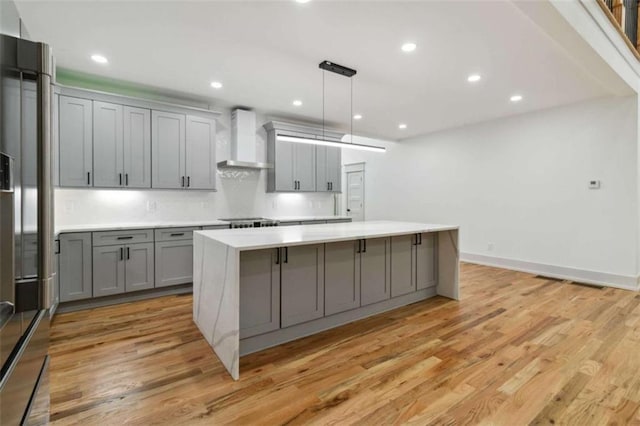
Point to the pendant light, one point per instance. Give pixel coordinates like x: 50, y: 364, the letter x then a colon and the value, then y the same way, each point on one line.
x: 347, y: 72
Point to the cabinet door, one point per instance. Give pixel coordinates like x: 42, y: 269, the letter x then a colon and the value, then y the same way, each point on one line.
x: 137, y: 147
x: 341, y: 277
x: 334, y: 169
x: 284, y: 174
x: 108, y: 270
x: 201, y: 153
x: 402, y: 265
x: 259, y: 292
x: 322, y: 180
x: 302, y: 284
x: 138, y: 271
x: 174, y: 262
x: 305, y: 167
x: 108, y: 168
x: 75, y: 141
x: 375, y: 271
x: 75, y: 266
x: 426, y: 264
x: 167, y: 150
x: 55, y: 292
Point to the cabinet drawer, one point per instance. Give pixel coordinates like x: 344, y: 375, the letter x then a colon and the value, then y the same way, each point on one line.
x: 175, y: 234
x: 212, y: 227
x: 108, y: 238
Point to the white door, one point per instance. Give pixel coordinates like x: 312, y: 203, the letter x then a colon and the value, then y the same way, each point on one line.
x: 355, y: 195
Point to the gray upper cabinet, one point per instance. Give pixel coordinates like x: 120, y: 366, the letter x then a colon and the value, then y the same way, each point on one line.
x: 328, y: 169
x: 201, y: 153
x: 108, y: 164
x: 74, y: 266
x: 108, y: 270
x: 168, y: 150
x: 302, y: 166
x: 139, y: 270
x: 402, y: 265
x: 302, y: 284
x: 342, y: 276
x: 375, y: 271
x: 137, y: 147
x: 75, y: 141
x: 426, y: 261
x: 259, y: 292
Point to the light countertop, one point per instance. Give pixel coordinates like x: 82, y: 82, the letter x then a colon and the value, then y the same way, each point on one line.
x: 269, y: 237
x: 305, y: 218
x: 141, y: 225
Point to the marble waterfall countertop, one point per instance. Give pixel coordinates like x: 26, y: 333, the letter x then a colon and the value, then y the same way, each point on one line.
x: 269, y: 237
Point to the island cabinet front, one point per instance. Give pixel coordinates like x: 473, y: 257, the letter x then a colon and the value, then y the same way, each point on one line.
x: 302, y: 284
x: 342, y: 276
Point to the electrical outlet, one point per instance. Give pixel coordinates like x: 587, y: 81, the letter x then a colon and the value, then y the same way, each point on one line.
x: 490, y: 247
x: 151, y: 206
x: 594, y: 184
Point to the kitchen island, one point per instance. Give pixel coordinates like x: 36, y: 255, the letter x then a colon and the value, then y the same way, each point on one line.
x: 260, y: 287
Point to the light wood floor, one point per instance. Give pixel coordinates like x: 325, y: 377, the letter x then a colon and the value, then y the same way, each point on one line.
x: 516, y: 350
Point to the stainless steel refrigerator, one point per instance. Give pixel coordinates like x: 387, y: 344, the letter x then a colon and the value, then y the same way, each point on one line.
x: 26, y: 230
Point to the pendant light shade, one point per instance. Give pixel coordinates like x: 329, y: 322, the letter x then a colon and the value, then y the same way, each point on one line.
x: 324, y: 142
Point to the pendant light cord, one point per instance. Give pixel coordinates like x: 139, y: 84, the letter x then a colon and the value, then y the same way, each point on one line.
x: 323, y: 71
x: 351, y: 112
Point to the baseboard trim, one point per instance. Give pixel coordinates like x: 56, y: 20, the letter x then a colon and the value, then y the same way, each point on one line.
x: 606, y: 279
x: 117, y: 299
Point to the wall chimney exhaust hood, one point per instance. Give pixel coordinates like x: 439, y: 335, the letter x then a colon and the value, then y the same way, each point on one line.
x: 243, y: 143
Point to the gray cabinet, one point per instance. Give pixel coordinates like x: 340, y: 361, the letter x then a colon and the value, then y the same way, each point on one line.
x: 74, y: 275
x: 304, y: 167
x: 328, y: 169
x: 375, y: 271
x: 426, y: 261
x: 139, y: 270
x: 294, y: 167
x: 122, y: 268
x: 108, y: 270
x: 168, y: 150
x: 75, y: 141
x: 200, y: 166
x: 341, y: 276
x: 259, y: 292
x: 174, y: 256
x: 137, y: 147
x: 402, y: 265
x: 108, y: 154
x: 302, y: 284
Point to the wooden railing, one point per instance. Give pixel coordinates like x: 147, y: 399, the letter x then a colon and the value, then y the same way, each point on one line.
x: 624, y: 15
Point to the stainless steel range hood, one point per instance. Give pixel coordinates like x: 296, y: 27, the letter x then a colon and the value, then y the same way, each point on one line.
x: 243, y: 143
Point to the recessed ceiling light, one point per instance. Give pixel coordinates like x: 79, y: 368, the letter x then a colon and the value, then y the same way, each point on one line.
x: 409, y: 47
x: 216, y: 85
x: 516, y: 98
x: 474, y: 78
x: 402, y: 126
x: 99, y: 59
x: 357, y: 117
x: 297, y: 103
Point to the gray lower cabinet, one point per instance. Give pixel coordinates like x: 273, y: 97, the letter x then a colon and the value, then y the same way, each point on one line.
x: 402, y: 265
x: 123, y: 268
x: 74, y: 274
x: 302, y: 284
x: 341, y: 276
x: 259, y: 292
x: 426, y: 261
x: 174, y: 262
x: 108, y: 270
x: 375, y: 271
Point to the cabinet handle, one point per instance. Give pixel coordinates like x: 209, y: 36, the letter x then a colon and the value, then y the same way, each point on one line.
x: 286, y: 255
x: 364, y: 246
x: 88, y: 178
x: 328, y: 186
x: 177, y: 234
x: 128, y: 257
x: 129, y: 237
x: 277, y: 256
x: 120, y: 178
x: 331, y: 186
x: 188, y: 181
x: 57, y: 251
x: 183, y: 181
x: 126, y: 179
x: 419, y: 239
x: 121, y: 253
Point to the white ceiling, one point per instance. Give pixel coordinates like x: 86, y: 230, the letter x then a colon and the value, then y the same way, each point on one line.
x: 266, y: 53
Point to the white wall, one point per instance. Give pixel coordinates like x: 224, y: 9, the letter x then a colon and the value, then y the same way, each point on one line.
x: 240, y: 193
x: 521, y: 184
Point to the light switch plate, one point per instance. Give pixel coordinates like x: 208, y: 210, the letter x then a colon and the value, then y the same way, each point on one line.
x: 594, y: 184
